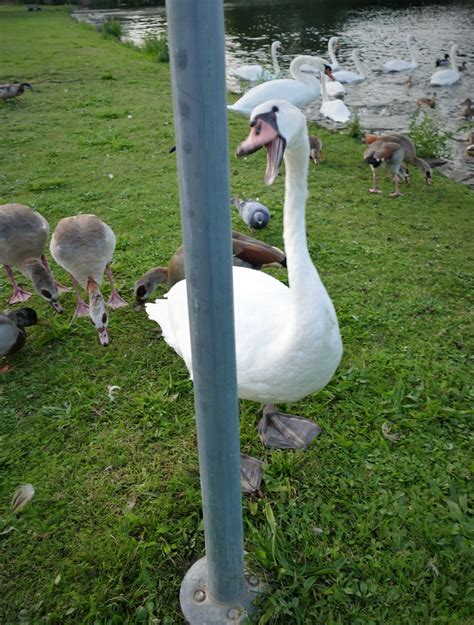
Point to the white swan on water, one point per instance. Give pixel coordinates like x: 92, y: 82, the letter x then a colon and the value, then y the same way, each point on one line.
x: 346, y: 76
x: 445, y: 77
x: 333, y: 109
x: 255, y: 72
x: 288, y: 343
x: 399, y: 65
x: 300, y: 90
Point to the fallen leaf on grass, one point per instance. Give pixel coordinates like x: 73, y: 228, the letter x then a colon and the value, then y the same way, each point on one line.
x: 390, y: 436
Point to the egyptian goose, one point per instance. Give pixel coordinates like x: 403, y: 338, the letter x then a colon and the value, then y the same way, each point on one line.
x: 247, y: 252
x: 409, y: 150
x: 23, y: 236
x: 384, y: 152
x: 84, y: 245
x: 315, y: 149
x: 431, y: 102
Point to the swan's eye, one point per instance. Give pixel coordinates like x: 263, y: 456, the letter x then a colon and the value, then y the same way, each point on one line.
x: 252, y: 123
x: 275, y: 109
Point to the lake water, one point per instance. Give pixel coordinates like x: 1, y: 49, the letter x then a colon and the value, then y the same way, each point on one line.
x: 378, y: 30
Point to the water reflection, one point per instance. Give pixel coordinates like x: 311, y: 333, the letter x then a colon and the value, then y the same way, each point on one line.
x: 377, y: 29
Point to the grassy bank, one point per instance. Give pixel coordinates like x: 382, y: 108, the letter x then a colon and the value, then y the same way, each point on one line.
x: 367, y: 530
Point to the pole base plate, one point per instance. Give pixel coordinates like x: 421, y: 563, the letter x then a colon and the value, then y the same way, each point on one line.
x: 200, y: 608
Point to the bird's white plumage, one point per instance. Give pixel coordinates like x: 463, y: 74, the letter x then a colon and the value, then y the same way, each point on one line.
x: 446, y: 77
x: 400, y: 65
x: 299, y: 90
x: 288, y: 343
x: 346, y: 76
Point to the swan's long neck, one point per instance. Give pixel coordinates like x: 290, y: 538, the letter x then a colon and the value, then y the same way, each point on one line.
x: 297, y: 74
x: 323, y: 87
x: 358, y: 66
x: 412, y: 51
x: 276, y: 65
x: 331, y: 53
x: 454, y: 59
x: 303, y: 278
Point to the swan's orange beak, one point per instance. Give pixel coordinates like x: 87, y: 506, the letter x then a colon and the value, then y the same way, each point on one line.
x: 264, y: 132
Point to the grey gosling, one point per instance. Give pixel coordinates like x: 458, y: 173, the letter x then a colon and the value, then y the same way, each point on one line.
x: 23, y: 236
x: 84, y: 245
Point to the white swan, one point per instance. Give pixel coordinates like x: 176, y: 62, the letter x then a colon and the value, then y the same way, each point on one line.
x: 346, y: 76
x: 299, y: 90
x: 288, y: 343
x: 398, y: 65
x: 447, y: 76
x: 333, y: 41
x: 333, y: 109
x: 255, y: 72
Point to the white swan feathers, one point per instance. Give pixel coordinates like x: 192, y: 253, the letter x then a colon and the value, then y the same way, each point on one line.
x: 299, y: 90
x: 346, y: 76
x: 447, y: 76
x: 255, y: 72
x: 399, y: 65
x: 287, y: 338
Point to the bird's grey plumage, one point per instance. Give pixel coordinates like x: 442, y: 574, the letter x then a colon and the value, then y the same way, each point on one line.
x: 9, y: 91
x: 12, y: 333
x: 255, y: 214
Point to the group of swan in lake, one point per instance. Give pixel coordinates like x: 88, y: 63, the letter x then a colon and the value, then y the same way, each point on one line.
x: 313, y: 76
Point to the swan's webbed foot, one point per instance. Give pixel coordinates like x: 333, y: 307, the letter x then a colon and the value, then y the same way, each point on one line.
x: 251, y: 473
x: 115, y: 301
x: 286, y: 431
x: 374, y: 190
x: 396, y: 194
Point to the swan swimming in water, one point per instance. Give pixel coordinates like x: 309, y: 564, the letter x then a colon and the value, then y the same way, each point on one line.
x: 399, y: 65
x: 346, y: 76
x: 255, y: 72
x: 444, y: 77
x: 333, y: 109
x: 300, y: 90
x: 288, y: 343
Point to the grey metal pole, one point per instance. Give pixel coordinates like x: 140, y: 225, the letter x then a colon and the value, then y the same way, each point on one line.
x: 196, y: 42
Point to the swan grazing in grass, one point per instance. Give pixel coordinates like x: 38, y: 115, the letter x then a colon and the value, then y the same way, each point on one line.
x: 444, y: 77
x: 333, y: 109
x: 399, y: 65
x: 288, y: 343
x: 256, y: 72
x: 300, y: 90
x: 346, y: 76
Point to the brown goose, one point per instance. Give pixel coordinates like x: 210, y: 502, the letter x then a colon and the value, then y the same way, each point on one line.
x: 409, y: 152
x: 315, y: 149
x: 247, y: 252
x: 83, y: 245
x: 431, y: 102
x: 12, y: 91
x: 23, y: 236
x: 384, y: 152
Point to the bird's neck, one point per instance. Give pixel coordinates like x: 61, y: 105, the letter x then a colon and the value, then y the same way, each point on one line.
x: 297, y: 74
x: 324, y: 93
x: 411, y: 50
x: 332, y: 56
x: 454, y: 60
x: 276, y: 65
x: 303, y: 278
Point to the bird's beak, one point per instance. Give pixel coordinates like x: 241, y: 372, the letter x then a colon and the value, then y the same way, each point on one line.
x: 57, y: 306
x: 264, y: 132
x: 103, y: 336
x: 328, y: 72
x: 43, y: 322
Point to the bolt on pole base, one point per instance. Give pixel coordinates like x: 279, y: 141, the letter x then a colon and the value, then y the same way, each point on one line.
x: 199, y: 608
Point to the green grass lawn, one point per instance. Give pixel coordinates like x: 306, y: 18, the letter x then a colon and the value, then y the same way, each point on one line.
x: 367, y: 531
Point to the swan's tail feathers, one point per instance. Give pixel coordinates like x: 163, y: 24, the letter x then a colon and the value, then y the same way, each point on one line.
x: 159, y: 312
